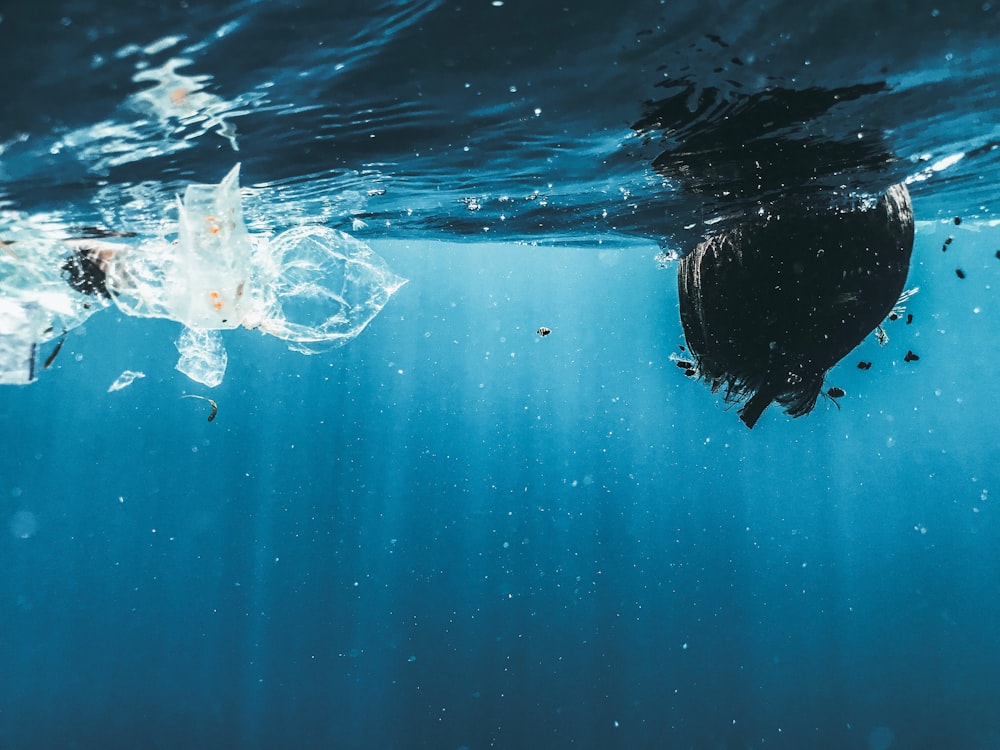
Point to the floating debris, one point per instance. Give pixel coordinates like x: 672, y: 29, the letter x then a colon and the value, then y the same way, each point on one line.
x: 125, y: 380
x: 765, y: 335
x: 833, y: 394
x: 960, y: 273
x: 909, y: 318
x: 864, y: 365
x: 543, y: 331
x: 215, y: 406
x: 52, y: 357
x: 684, y: 364
x: 958, y: 220
x: 910, y: 356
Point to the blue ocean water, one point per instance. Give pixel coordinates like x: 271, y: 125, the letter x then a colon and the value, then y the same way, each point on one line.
x: 453, y: 532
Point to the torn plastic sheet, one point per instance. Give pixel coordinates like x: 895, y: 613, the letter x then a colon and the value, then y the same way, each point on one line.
x: 36, y: 304
x: 125, y: 380
x: 203, y: 356
x: 18, y: 321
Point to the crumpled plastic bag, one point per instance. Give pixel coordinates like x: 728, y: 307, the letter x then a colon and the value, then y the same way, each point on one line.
x: 317, y: 287
x: 200, y: 279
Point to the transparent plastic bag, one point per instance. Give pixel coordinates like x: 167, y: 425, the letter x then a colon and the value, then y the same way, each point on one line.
x: 200, y: 279
x: 317, y: 287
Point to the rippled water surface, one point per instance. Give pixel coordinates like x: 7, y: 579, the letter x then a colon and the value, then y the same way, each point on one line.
x: 539, y: 122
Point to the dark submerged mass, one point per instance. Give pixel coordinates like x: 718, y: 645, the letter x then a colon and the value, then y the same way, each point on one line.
x: 769, y: 306
x: 85, y: 273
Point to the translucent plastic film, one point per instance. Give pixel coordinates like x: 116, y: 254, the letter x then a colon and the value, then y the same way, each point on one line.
x: 318, y: 287
x: 312, y: 286
x: 200, y: 279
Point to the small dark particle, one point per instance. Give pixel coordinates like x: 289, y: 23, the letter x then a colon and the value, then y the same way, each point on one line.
x: 998, y: 253
x: 52, y: 357
x: 958, y: 220
x: 684, y: 364
x: 543, y: 331
x: 949, y: 240
x: 690, y: 373
x: 944, y: 248
x: 909, y: 318
x: 893, y: 316
x: 833, y: 394
x: 960, y: 273
x: 864, y: 365
x: 681, y: 346
x: 910, y: 357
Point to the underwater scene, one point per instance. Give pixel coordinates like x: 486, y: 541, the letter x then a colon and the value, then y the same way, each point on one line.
x: 499, y: 374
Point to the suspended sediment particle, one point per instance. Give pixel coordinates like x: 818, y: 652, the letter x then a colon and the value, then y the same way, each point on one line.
x: 960, y: 273
x: 864, y: 365
x: 910, y: 356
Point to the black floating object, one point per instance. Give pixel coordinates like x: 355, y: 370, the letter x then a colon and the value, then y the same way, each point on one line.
x: 910, y: 357
x: 770, y: 306
x: 909, y: 318
x: 958, y: 220
x: 864, y: 365
x: 960, y: 273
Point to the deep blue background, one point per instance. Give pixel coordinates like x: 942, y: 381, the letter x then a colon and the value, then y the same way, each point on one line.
x: 454, y: 533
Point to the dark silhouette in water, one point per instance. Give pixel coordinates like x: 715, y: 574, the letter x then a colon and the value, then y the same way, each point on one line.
x: 768, y: 307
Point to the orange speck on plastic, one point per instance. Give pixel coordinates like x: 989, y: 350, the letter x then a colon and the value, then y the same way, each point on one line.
x: 213, y: 295
x: 218, y: 305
